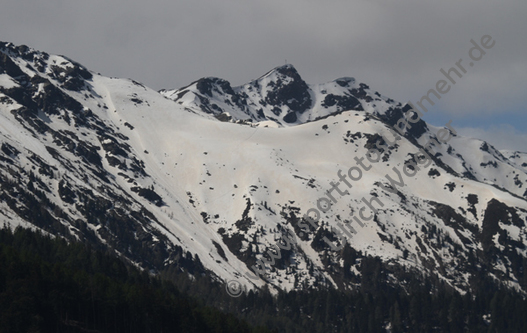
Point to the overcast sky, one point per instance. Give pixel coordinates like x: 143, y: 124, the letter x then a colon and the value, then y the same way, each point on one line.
x: 396, y: 47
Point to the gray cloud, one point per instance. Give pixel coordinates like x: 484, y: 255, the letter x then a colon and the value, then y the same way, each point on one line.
x: 395, y: 47
x: 500, y: 136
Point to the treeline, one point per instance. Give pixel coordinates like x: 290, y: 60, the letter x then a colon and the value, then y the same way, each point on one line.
x: 49, y: 285
x: 375, y: 306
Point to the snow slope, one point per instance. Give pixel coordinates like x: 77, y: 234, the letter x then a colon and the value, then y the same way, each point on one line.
x: 211, y: 177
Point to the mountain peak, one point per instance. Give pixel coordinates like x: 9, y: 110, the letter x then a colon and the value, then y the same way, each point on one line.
x: 345, y: 81
x: 287, y: 70
x: 280, y: 95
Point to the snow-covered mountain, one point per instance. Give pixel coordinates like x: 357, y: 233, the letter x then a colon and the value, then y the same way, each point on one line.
x: 210, y: 178
x: 279, y: 96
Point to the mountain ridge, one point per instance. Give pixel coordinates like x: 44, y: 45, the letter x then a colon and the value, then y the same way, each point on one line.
x: 165, y: 179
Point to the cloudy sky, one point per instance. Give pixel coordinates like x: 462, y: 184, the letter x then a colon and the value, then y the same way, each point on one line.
x: 396, y: 47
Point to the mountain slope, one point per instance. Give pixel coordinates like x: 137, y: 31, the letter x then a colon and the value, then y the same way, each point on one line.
x: 163, y: 181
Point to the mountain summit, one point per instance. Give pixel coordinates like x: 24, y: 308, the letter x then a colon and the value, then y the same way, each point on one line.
x: 207, y: 179
x: 280, y: 96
